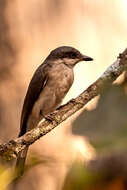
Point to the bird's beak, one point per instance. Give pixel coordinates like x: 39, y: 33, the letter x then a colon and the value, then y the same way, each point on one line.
x: 86, y: 58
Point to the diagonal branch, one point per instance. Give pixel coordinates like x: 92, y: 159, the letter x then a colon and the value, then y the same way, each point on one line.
x: 12, y: 148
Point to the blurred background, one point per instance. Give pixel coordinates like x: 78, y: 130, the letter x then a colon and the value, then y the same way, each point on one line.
x: 29, y: 30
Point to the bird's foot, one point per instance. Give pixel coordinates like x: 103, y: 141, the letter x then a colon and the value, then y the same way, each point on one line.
x: 52, y: 117
x: 48, y: 117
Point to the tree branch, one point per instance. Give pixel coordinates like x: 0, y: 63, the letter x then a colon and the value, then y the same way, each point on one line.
x: 13, y: 147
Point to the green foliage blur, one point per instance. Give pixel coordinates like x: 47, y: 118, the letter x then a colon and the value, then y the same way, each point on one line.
x: 106, y: 125
x: 106, y: 129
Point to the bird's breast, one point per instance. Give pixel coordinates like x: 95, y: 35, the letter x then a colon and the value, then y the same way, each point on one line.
x: 61, y: 82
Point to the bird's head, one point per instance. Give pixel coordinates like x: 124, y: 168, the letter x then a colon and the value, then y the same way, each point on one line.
x: 69, y: 55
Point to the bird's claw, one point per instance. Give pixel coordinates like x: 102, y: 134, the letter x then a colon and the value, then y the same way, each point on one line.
x: 52, y: 117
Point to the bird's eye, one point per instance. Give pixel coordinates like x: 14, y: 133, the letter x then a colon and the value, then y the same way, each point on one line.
x: 73, y: 55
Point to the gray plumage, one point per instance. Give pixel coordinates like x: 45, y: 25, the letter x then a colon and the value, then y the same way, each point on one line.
x: 49, y: 85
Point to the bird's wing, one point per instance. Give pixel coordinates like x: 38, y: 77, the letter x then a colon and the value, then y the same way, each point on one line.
x: 36, y: 85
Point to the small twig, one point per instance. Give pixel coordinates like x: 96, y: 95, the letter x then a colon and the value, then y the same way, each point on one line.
x: 12, y: 148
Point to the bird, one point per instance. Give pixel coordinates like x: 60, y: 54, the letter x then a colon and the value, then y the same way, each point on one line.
x: 47, y: 88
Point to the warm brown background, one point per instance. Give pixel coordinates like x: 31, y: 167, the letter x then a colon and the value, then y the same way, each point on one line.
x: 29, y: 30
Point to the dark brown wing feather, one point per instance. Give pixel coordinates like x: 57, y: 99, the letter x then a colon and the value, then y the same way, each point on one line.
x: 36, y: 85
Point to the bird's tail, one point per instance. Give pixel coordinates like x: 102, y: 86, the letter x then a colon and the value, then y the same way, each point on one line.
x: 20, y: 163
x: 19, y: 168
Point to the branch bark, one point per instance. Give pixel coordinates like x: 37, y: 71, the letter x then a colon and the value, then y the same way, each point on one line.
x: 13, y: 147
